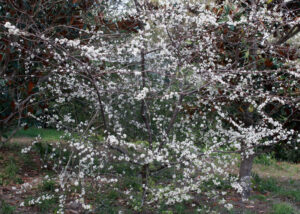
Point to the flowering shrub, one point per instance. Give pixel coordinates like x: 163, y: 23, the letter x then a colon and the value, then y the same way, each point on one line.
x: 139, y: 88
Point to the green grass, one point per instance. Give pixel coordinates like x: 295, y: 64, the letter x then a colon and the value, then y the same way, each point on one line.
x: 45, y: 206
x: 9, y: 174
x: 283, y: 208
x: 290, y: 194
x: 258, y: 197
x: 282, y: 190
x: 48, y: 186
x: 264, y: 185
x: 46, y: 134
x: 265, y: 159
x: 6, y: 208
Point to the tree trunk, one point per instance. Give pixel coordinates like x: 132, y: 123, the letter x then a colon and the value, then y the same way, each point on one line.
x: 245, y: 175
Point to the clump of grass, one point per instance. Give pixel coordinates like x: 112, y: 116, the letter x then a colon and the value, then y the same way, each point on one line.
x: 283, y: 208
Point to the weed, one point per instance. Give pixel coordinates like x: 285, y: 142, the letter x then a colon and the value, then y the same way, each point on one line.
x: 283, y: 208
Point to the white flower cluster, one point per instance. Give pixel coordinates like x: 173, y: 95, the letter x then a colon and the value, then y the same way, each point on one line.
x: 186, y: 127
x: 14, y: 30
x: 38, y: 200
x: 142, y: 94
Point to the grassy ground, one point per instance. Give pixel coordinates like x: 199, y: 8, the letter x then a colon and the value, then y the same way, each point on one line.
x: 276, y: 185
x: 45, y: 134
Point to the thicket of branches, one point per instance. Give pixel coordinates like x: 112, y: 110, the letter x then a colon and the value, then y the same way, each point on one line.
x: 171, y: 86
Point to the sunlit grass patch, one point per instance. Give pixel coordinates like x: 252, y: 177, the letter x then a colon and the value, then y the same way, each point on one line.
x: 45, y: 134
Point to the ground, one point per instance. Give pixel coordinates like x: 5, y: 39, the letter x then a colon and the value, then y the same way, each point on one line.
x: 276, y: 185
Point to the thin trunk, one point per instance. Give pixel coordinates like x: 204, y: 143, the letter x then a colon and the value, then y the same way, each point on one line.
x: 144, y: 175
x: 245, y: 175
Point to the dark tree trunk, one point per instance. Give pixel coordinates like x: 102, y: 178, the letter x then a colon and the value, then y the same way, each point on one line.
x: 245, y: 175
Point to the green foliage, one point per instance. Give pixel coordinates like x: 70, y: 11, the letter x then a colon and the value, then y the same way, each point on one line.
x: 43, y: 149
x: 290, y: 194
x: 28, y: 162
x: 44, y: 206
x: 167, y: 212
x: 48, y: 153
x: 287, y: 152
x: 47, y: 205
x: 45, y: 134
x: 10, y: 173
x: 132, y: 182
x: 6, y: 208
x: 180, y: 208
x: 283, y: 208
x: 108, y: 210
x: 11, y: 169
x: 106, y: 202
x: 265, y: 185
x: 48, y: 186
x: 259, y: 197
x: 265, y: 159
